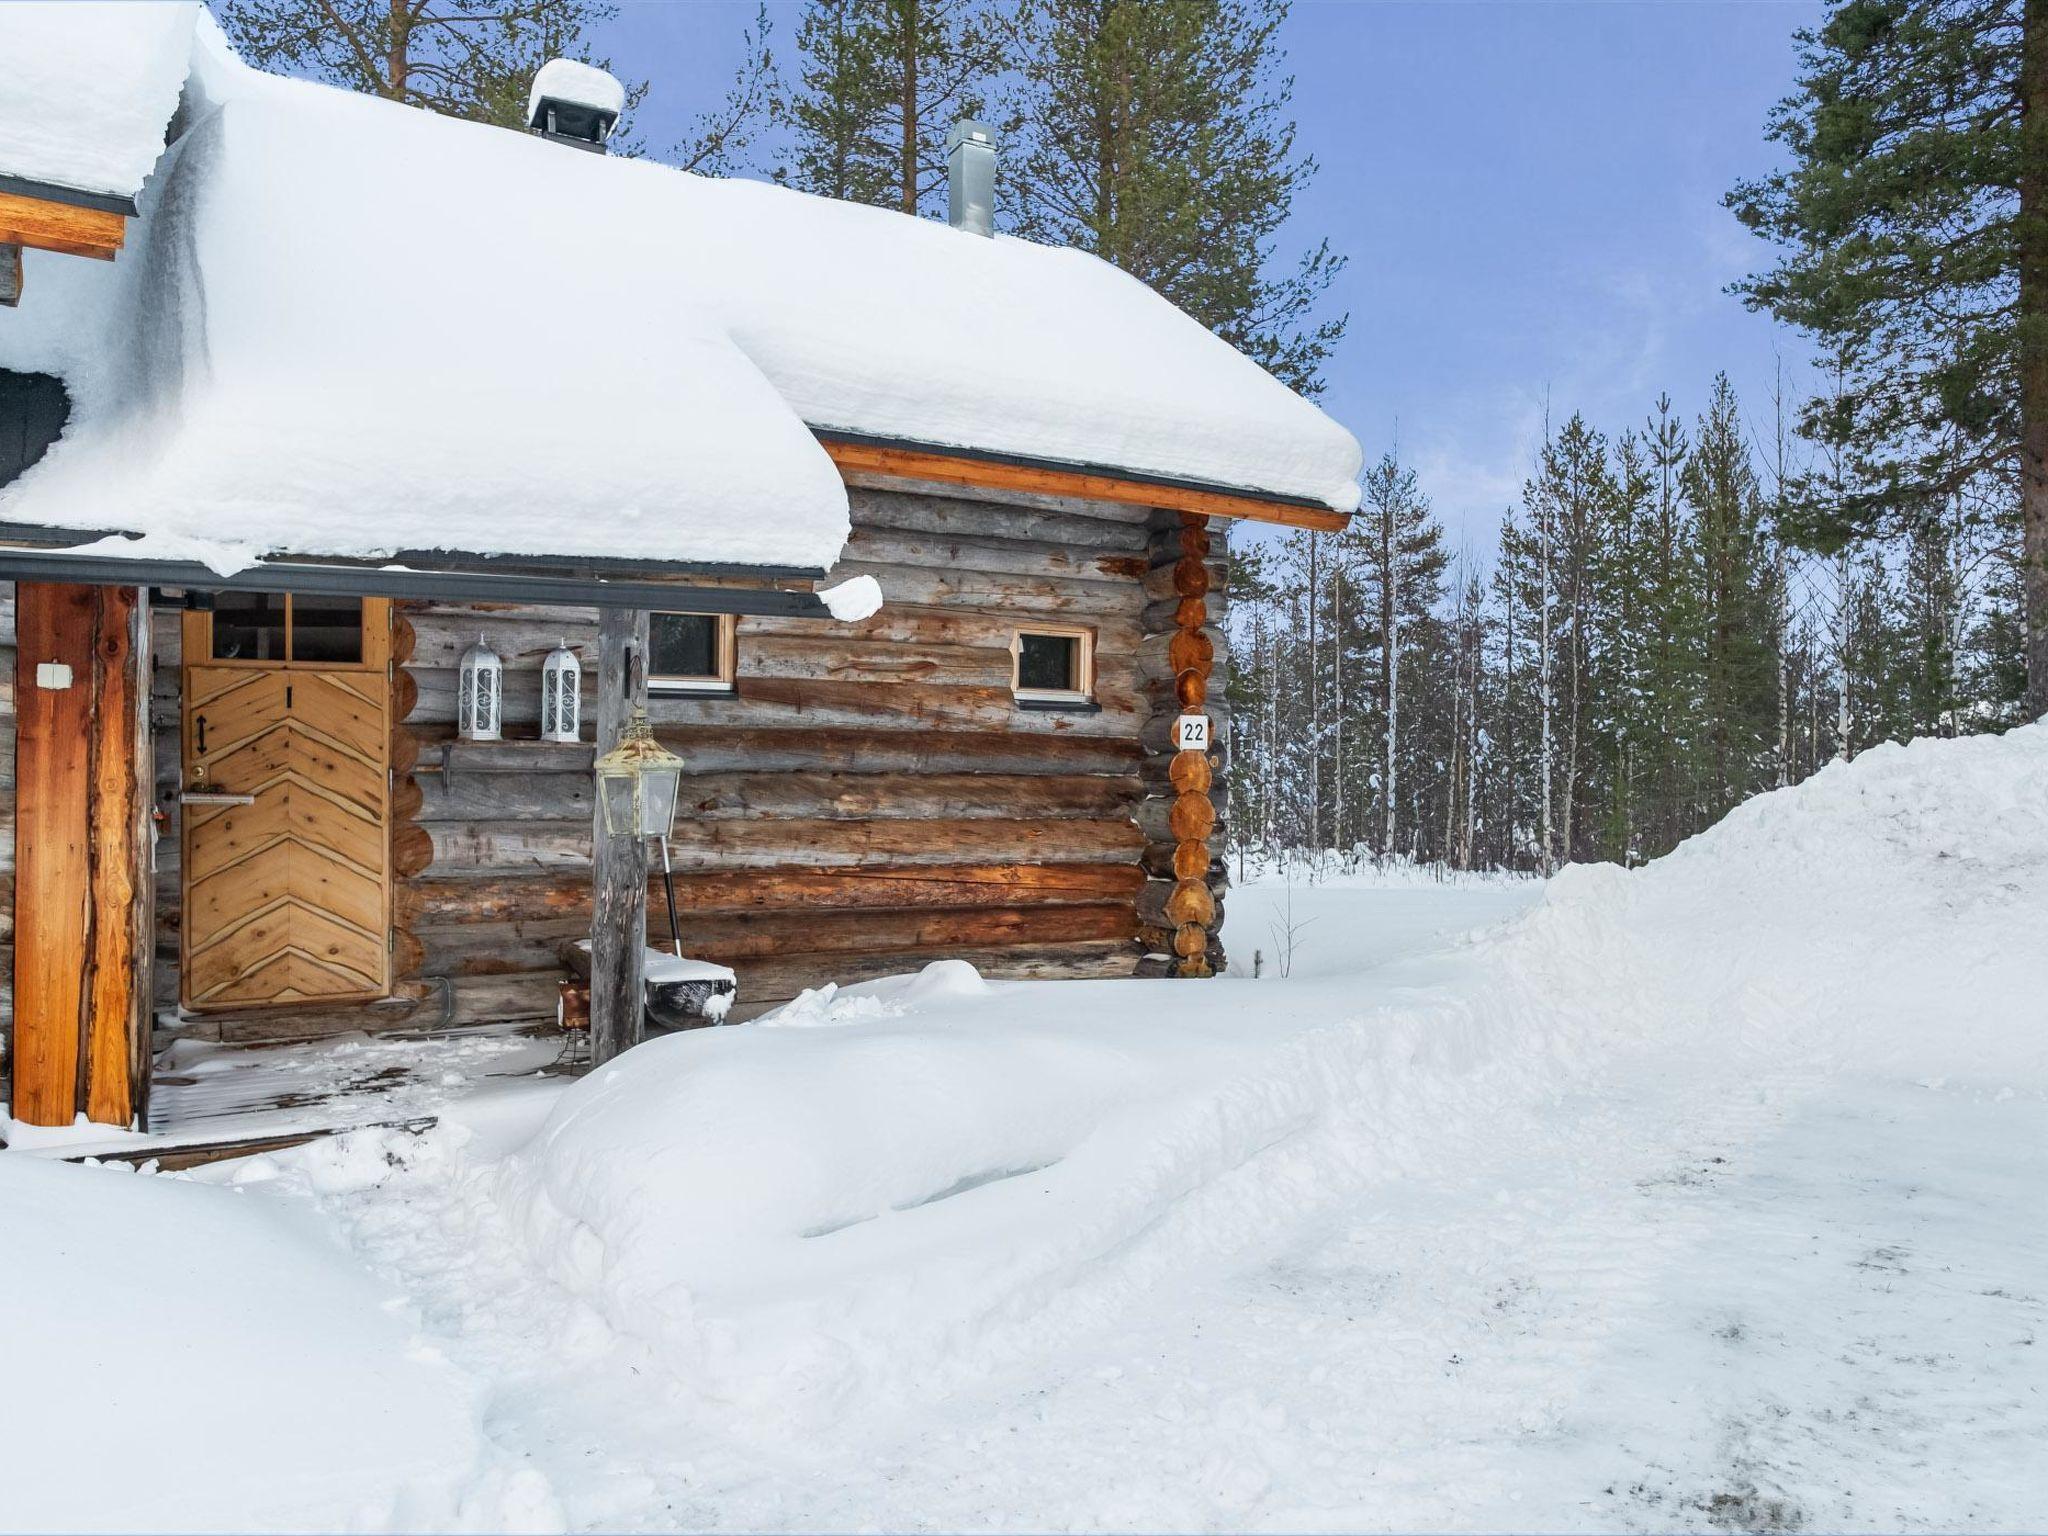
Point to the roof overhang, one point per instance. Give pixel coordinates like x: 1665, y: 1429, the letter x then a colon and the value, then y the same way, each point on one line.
x: 48, y: 217
x: 902, y: 459
x: 435, y: 575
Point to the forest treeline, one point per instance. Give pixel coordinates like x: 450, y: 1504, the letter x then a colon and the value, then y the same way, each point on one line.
x: 1643, y: 652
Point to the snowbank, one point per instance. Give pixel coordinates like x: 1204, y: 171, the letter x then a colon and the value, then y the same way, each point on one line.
x: 89, y: 87
x: 345, y: 327
x: 798, y: 1218
x: 180, y: 1357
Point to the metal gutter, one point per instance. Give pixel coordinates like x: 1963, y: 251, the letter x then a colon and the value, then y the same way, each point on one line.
x: 72, y: 197
x: 452, y: 585
x: 43, y: 536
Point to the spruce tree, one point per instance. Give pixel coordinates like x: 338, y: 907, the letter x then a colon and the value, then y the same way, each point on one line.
x: 1914, y: 223
x: 1738, y: 660
x: 1158, y: 137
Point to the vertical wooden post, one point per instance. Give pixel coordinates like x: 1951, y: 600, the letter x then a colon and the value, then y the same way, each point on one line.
x: 82, y: 907
x: 618, y: 924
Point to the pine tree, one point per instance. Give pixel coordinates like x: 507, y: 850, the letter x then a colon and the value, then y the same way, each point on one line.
x: 1914, y: 222
x: 879, y: 84
x: 1158, y: 137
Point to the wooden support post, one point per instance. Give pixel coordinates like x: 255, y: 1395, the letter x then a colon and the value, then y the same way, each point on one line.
x: 82, y: 937
x: 618, y: 924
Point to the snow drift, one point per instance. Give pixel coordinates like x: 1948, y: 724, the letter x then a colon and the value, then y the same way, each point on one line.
x: 796, y: 1218
x: 184, y: 1358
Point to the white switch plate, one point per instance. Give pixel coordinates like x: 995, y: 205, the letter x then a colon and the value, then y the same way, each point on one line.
x: 54, y: 675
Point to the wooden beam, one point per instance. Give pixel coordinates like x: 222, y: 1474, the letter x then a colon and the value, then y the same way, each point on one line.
x: 63, y: 227
x: 52, y: 899
x: 996, y: 474
x: 618, y: 924
x: 10, y: 275
x: 116, y: 1079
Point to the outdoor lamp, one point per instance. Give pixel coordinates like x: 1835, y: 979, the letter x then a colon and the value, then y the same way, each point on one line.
x: 561, y: 695
x: 480, y: 694
x: 637, y: 783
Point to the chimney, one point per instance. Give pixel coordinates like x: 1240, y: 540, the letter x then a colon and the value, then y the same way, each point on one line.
x: 574, y: 103
x: 971, y: 177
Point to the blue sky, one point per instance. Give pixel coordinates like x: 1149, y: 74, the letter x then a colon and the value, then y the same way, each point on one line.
x: 1529, y: 193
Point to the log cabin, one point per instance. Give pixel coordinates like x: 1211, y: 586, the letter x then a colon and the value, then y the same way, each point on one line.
x: 337, y: 391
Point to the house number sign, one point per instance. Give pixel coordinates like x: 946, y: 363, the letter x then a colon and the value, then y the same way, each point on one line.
x: 1191, y: 733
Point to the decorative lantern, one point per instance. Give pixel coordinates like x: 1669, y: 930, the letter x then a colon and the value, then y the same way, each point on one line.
x: 561, y: 695
x: 480, y: 694
x: 637, y: 782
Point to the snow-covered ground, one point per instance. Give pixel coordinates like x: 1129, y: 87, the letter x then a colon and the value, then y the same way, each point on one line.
x: 1708, y: 1196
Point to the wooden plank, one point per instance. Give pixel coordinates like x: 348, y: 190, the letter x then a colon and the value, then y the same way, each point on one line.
x: 959, y: 469
x: 62, y: 227
x: 619, y: 875
x: 765, y: 983
x: 52, y: 890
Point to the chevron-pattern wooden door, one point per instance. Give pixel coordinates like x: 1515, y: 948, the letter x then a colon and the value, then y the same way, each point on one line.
x: 287, y: 899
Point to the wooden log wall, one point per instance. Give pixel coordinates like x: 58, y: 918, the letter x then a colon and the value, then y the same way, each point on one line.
x: 1181, y: 906
x: 871, y: 797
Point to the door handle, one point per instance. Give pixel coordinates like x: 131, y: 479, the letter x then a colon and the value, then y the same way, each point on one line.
x: 200, y: 722
x: 214, y: 797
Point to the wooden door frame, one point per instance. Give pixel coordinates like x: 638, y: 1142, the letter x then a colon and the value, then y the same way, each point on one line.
x: 196, y: 650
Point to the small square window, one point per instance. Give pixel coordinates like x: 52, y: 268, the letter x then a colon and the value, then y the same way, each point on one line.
x: 691, y: 652
x: 1053, y: 666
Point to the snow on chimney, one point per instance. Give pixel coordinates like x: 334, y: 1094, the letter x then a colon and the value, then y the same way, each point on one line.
x: 574, y: 103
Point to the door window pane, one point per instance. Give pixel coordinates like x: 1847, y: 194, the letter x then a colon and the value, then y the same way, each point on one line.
x: 248, y: 626
x: 684, y: 646
x: 1049, y: 663
x: 327, y: 629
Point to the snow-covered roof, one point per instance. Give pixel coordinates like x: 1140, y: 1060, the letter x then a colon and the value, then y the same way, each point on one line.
x: 86, y: 89
x: 345, y: 327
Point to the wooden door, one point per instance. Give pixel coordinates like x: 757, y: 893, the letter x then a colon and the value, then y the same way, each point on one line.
x: 286, y: 825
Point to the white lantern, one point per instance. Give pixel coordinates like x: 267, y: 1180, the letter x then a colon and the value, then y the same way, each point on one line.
x: 561, y: 695
x: 480, y: 694
x: 637, y: 783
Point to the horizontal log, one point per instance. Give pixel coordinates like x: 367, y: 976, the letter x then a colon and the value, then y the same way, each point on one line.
x: 912, y: 623
x: 551, y: 894
x: 799, y: 748
x: 990, y: 592
x: 503, y: 847
x: 954, y: 515
x: 768, y: 701
x: 1002, y: 556
x: 766, y: 982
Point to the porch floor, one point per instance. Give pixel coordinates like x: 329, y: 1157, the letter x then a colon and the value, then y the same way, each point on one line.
x: 204, y: 1087
x: 210, y: 1099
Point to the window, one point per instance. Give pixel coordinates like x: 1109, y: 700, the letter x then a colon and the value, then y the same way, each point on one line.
x: 280, y: 629
x: 1053, y: 666
x: 691, y: 652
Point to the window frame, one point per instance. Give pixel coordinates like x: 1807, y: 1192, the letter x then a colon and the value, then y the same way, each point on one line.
x: 725, y: 641
x: 196, y: 642
x: 1079, y: 696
